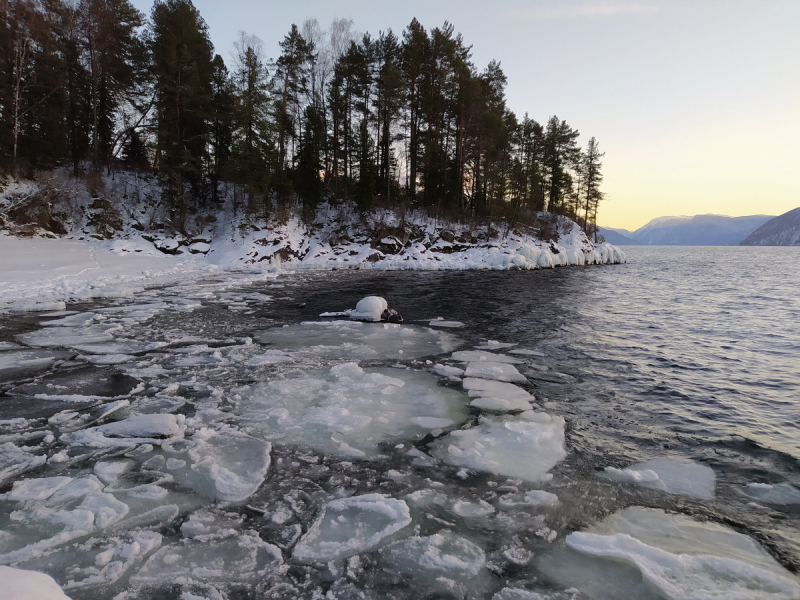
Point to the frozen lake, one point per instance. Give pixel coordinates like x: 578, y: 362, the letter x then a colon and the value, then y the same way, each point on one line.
x: 627, y: 431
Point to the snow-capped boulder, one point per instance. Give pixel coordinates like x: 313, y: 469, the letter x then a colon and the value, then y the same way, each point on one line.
x: 369, y: 309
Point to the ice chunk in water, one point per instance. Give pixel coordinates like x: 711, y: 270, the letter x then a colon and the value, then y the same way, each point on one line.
x: 780, y: 493
x: 153, y: 429
x: 28, y: 585
x: 228, y: 465
x: 110, y: 471
x: 353, y: 339
x: 464, y: 508
x: 243, y: 558
x: 509, y: 446
x: 470, y: 356
x: 675, y: 555
x: 497, y: 395
x: 441, y: 563
x: 15, y: 460
x: 350, y: 410
x: 673, y: 476
x: 76, y: 320
x: 369, y: 309
x: 66, y: 336
x: 493, y: 370
x: 37, y: 489
x: 27, y: 360
x: 448, y: 324
x: 350, y: 526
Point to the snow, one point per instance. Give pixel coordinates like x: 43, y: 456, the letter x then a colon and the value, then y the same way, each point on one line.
x: 350, y: 526
x: 527, y: 446
x: 369, y: 309
x: 19, y: 584
x: 672, y: 476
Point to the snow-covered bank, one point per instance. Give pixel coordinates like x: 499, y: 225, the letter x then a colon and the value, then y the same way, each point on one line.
x: 60, y: 243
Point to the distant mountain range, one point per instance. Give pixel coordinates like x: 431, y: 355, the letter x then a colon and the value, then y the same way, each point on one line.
x: 780, y: 231
x: 700, y: 230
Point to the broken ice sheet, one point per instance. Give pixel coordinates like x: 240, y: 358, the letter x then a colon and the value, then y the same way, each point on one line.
x: 97, y: 561
x: 648, y: 554
x: 527, y: 446
x: 49, y: 512
x: 349, y: 410
x: 350, y: 526
x: 354, y: 339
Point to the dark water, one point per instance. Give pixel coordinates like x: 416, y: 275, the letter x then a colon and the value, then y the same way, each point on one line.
x: 683, y: 352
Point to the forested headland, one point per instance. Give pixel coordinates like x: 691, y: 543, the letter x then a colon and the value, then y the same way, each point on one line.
x: 392, y: 120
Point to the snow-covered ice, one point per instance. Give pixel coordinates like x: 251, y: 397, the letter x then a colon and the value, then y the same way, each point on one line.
x: 351, y: 526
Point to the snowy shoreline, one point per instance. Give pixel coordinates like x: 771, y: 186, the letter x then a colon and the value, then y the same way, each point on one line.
x: 40, y: 271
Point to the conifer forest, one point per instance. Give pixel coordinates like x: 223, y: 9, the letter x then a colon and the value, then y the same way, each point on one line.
x: 396, y: 120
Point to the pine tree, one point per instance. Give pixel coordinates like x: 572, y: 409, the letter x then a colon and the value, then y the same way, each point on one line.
x: 114, y: 56
x: 182, y: 69
x: 290, y: 83
x: 221, y: 125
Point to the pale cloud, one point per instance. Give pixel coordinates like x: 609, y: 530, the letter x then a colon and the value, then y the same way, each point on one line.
x: 588, y: 10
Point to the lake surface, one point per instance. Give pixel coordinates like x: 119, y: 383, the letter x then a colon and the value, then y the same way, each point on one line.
x: 686, y: 356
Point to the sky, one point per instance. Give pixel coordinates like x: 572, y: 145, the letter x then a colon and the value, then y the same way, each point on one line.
x: 696, y: 103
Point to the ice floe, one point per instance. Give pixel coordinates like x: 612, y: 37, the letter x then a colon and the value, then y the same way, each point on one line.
x: 497, y: 395
x: 138, y: 429
x: 241, y: 558
x: 527, y: 446
x: 51, y: 337
x: 15, y: 460
x: 353, y: 339
x: 779, y: 493
x: 350, y: 526
x: 442, y: 563
x: 227, y: 465
x: 349, y: 410
x: 647, y: 554
x: 673, y: 476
